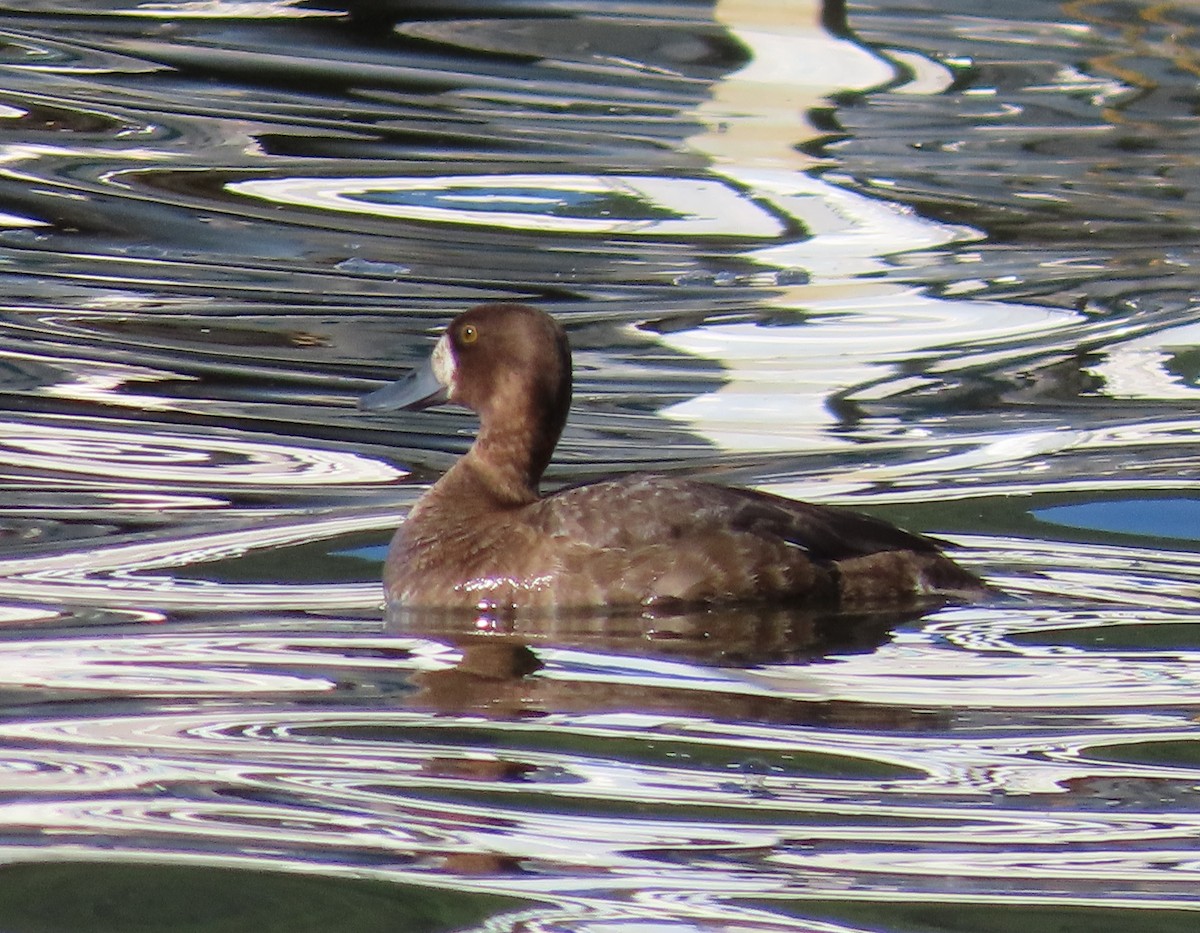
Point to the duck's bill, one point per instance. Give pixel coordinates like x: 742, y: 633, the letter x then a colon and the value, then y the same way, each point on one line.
x: 419, y: 389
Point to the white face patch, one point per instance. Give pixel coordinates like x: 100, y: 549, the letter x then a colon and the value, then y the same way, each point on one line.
x: 444, y: 367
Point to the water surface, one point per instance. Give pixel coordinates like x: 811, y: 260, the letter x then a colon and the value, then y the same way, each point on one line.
x: 926, y: 259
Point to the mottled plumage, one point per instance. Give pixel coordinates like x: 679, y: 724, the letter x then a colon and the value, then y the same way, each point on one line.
x: 483, y: 537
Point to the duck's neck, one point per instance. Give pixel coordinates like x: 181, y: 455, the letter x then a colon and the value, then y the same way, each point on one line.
x: 504, y: 465
x: 507, y: 463
x: 520, y: 423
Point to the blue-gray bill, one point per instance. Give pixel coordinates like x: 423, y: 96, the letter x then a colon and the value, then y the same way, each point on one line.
x: 419, y: 389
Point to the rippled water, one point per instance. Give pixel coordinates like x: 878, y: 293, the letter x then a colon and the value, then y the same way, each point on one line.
x: 933, y: 259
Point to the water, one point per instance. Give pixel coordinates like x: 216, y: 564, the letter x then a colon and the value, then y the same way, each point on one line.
x: 925, y: 259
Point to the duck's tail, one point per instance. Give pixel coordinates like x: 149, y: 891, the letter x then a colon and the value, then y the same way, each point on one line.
x: 891, y: 577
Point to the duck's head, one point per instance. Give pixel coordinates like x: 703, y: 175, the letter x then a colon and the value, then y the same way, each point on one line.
x: 509, y: 363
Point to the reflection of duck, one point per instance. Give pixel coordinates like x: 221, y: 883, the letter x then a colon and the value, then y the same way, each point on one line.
x: 483, y: 537
x: 728, y: 636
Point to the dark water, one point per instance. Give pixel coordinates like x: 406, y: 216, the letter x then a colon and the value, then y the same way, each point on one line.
x: 936, y: 260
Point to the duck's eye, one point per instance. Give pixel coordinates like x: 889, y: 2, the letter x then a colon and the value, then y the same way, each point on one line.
x: 469, y: 334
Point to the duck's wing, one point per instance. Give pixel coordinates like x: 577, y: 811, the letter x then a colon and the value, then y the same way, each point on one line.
x: 646, y: 508
x: 690, y: 541
x: 827, y: 532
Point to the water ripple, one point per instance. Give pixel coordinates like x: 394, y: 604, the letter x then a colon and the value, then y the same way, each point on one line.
x: 938, y: 265
x: 209, y: 459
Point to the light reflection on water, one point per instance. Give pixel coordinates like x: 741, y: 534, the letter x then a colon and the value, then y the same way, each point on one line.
x: 223, y: 222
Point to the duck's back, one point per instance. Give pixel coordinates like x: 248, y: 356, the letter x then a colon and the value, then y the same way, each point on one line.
x: 645, y: 540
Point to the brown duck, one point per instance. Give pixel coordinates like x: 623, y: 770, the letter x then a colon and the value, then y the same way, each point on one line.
x: 484, y: 538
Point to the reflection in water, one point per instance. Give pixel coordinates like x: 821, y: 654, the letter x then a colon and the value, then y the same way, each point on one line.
x: 111, y: 897
x: 603, y: 204
x: 740, y: 636
x: 934, y: 264
x: 537, y: 764
x: 203, y: 460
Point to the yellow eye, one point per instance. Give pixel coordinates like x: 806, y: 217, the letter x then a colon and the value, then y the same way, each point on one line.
x: 469, y: 334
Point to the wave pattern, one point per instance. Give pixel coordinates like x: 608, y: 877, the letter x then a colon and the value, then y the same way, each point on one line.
x: 937, y: 264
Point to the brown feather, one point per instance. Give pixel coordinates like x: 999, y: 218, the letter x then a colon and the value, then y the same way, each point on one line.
x: 483, y: 537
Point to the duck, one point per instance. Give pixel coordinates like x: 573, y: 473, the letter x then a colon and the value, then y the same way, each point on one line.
x: 484, y: 538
